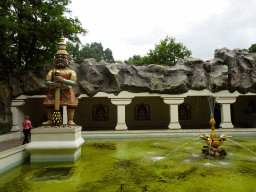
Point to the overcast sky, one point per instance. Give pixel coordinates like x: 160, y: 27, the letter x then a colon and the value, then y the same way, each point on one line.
x: 131, y: 27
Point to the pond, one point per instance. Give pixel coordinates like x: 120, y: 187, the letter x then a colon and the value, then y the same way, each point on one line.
x: 142, y: 164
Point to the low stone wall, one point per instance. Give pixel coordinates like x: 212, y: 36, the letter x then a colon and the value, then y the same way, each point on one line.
x: 12, y: 157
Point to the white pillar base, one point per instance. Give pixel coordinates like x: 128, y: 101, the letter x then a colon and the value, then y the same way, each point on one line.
x: 174, y: 126
x: 121, y: 127
x: 227, y: 125
x: 15, y: 128
x: 55, y: 144
x: 15, y: 131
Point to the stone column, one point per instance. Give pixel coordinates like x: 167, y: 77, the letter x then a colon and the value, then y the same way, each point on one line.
x: 121, y: 102
x: 174, y: 112
x: 17, y: 117
x: 226, y: 111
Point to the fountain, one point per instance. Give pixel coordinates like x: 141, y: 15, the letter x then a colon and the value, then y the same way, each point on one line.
x: 134, y: 163
x: 213, y: 143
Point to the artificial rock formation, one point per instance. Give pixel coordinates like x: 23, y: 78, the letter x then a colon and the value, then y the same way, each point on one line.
x: 5, y: 107
x: 229, y: 70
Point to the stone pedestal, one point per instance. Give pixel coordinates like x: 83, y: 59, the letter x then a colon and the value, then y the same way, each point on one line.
x: 60, y: 144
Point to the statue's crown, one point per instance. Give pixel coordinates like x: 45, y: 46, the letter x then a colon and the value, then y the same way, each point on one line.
x: 62, y: 47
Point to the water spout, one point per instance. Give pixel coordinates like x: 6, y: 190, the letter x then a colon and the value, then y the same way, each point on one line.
x: 181, y: 146
x: 242, y: 146
x: 211, y: 102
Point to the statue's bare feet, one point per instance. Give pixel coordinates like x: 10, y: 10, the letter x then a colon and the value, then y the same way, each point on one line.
x: 71, y: 122
x: 47, y: 122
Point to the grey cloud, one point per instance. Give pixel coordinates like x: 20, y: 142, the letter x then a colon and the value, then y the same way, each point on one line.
x: 202, y: 38
x: 229, y: 30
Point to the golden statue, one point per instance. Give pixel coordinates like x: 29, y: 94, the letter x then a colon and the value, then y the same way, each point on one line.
x: 61, y: 81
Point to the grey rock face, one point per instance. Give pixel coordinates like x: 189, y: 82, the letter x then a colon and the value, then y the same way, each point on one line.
x: 217, y: 74
x: 5, y: 107
x: 229, y: 70
x: 89, y: 77
x: 114, y: 78
x: 15, y: 86
x: 241, y: 69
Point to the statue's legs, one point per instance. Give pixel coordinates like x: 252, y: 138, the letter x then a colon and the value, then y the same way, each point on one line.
x: 70, y: 114
x: 50, y: 111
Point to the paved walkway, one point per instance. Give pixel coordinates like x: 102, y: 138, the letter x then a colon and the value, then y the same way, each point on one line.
x: 9, y: 144
x: 5, y: 145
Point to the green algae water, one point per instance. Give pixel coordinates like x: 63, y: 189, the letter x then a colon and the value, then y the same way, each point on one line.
x: 142, y: 164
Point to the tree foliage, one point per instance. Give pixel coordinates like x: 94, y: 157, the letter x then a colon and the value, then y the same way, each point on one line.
x: 165, y: 53
x: 108, y: 57
x: 74, y: 51
x: 135, y: 60
x: 119, y: 61
x: 30, y: 31
x: 94, y: 50
x: 252, y: 48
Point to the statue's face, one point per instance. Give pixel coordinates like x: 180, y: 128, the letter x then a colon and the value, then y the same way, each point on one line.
x: 61, y: 61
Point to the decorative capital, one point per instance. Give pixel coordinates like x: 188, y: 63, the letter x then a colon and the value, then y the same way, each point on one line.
x: 225, y: 100
x: 173, y: 100
x: 121, y: 101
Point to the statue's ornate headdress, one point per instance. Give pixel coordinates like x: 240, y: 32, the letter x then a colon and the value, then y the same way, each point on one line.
x: 62, y: 47
x: 62, y: 55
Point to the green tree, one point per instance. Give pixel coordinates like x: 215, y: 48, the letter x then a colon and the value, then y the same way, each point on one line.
x: 167, y: 52
x: 119, y: 61
x: 94, y: 50
x: 108, y: 57
x: 252, y: 48
x: 146, y: 60
x: 97, y: 51
x: 30, y: 31
x: 134, y: 60
x: 86, y: 51
x: 74, y: 51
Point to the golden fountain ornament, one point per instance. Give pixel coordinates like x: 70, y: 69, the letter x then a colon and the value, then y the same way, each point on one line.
x: 213, y: 143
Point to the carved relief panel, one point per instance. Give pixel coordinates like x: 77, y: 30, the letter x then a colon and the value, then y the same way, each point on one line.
x: 100, y: 112
x: 142, y: 112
